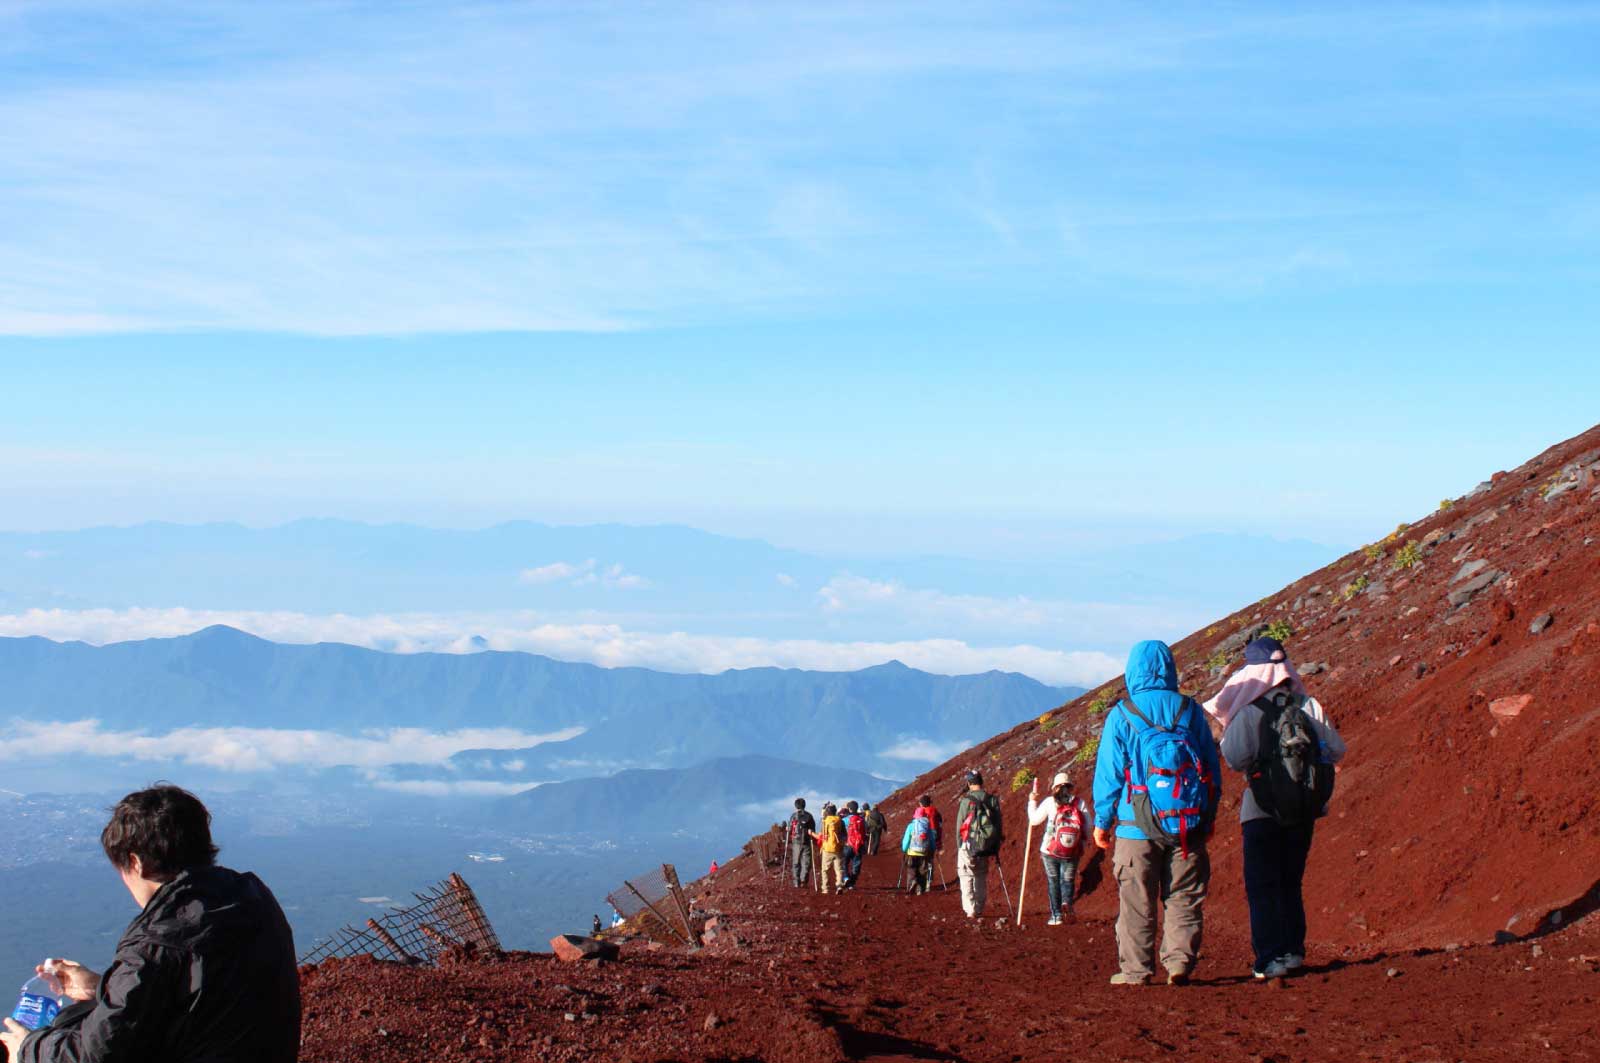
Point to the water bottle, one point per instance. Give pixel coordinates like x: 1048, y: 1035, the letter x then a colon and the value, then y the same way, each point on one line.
x: 41, y: 999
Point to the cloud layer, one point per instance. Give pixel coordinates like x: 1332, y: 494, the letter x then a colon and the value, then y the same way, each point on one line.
x: 610, y: 645
x: 256, y: 749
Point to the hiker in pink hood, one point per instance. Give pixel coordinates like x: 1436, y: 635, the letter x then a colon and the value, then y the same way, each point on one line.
x: 1266, y: 667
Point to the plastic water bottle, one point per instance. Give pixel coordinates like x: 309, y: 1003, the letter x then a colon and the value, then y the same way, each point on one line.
x: 41, y: 999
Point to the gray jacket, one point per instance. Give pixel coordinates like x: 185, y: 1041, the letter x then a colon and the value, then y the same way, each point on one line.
x: 1242, y: 742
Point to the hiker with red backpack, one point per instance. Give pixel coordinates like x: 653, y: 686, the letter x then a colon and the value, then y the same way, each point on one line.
x: 1156, y: 789
x: 1281, y: 738
x: 919, y: 843
x: 855, y: 843
x: 1065, y: 816
x: 979, y: 830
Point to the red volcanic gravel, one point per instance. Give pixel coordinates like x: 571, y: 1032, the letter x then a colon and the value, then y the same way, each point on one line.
x: 1456, y: 822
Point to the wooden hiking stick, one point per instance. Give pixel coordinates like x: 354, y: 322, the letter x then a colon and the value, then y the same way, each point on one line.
x: 1022, y: 890
x: 816, y: 866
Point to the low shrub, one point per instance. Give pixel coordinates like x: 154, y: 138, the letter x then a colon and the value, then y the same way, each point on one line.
x: 1023, y: 777
x: 1281, y: 630
x: 1088, y: 751
x: 1407, y: 555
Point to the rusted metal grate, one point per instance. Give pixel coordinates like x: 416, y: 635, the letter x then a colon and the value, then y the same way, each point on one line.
x: 654, y: 903
x: 446, y: 916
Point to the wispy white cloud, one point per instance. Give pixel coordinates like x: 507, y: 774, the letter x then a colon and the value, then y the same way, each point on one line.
x: 584, y: 573
x: 257, y: 749
x: 925, y: 750
x: 453, y: 788
x: 610, y: 645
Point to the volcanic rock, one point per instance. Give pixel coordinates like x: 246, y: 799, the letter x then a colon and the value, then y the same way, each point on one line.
x: 571, y: 948
x: 1510, y: 707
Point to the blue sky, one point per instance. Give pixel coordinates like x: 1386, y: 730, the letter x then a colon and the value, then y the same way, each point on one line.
x: 997, y: 281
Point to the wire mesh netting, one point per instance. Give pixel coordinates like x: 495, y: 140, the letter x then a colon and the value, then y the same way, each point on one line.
x: 446, y: 916
x: 653, y: 903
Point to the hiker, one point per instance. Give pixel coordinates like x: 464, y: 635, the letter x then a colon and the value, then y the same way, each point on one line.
x: 597, y: 927
x: 1065, y: 817
x: 935, y: 819
x: 206, y: 970
x: 801, y: 828
x: 918, y: 845
x: 855, y: 843
x: 979, y: 833
x: 1156, y: 785
x: 1281, y: 738
x: 877, y: 827
x: 831, y: 841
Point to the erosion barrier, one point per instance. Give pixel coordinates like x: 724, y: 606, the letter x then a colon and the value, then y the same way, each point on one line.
x: 446, y: 916
x: 654, y: 905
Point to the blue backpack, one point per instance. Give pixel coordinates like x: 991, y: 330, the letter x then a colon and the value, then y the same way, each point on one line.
x: 1167, y: 786
x: 921, y: 837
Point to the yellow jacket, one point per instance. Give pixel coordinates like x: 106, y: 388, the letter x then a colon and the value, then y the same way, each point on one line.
x: 832, y: 836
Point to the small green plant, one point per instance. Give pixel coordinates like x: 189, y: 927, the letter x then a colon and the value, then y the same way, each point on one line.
x: 1354, y: 587
x: 1448, y: 503
x: 1373, y: 551
x: 1096, y: 707
x: 1088, y: 751
x: 1022, y: 778
x: 1408, y: 555
x: 1219, y: 660
x: 1047, y: 721
x: 1281, y: 630
x: 1210, y: 631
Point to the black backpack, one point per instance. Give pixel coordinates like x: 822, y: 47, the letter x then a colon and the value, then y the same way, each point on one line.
x: 983, y: 824
x: 1289, y: 779
x: 801, y: 825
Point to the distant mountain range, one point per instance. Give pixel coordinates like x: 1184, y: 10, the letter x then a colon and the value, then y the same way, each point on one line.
x: 706, y: 799
x: 874, y: 719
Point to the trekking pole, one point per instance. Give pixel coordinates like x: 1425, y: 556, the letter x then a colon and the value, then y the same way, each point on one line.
x: 943, y: 885
x: 901, y: 876
x: 816, y: 867
x: 1022, y: 890
x: 1004, y: 888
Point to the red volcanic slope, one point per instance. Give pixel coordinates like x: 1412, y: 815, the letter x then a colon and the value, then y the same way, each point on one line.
x: 1467, y: 808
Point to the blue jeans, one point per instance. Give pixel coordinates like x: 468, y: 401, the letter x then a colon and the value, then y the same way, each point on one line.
x: 1274, y: 868
x: 852, y: 864
x: 1060, y: 879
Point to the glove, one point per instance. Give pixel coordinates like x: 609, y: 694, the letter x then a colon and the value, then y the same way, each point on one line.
x: 1102, y: 837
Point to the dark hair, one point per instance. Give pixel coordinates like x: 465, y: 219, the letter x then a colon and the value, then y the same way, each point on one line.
x: 925, y: 801
x: 800, y: 802
x: 166, y: 827
x: 974, y: 778
x: 852, y: 806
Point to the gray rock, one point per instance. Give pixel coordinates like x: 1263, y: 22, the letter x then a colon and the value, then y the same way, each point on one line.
x: 1471, y: 568
x: 1560, y: 489
x: 1469, y: 590
x: 1540, y: 622
x: 1313, y: 668
x: 1393, y: 972
x: 1375, y: 589
x: 1480, y: 489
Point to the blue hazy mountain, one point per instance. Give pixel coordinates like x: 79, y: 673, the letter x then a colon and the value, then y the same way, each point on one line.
x: 702, y: 799
x: 659, y: 577
x: 631, y: 717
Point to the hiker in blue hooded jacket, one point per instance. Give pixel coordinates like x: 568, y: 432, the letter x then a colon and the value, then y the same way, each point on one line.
x: 1156, y: 787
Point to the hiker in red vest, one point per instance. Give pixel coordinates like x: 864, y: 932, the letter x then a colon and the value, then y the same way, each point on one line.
x: 855, y: 843
x: 1066, y: 821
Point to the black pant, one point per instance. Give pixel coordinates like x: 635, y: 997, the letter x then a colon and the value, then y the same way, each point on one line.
x: 920, y: 879
x: 1274, y: 868
x: 800, y: 863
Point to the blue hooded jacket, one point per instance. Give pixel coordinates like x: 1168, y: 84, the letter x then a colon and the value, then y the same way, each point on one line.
x: 1152, y: 679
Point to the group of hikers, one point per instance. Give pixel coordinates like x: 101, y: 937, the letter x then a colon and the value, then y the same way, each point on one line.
x: 1157, y: 789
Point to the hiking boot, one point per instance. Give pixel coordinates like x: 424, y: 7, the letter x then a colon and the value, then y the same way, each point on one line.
x: 1054, y: 920
x: 1177, y: 976
x: 1130, y: 979
x: 1292, y: 961
x: 1274, y: 969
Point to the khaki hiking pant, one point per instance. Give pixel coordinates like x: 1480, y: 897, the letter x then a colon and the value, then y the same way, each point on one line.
x: 1147, y: 872
x: 973, y: 874
x: 833, y: 862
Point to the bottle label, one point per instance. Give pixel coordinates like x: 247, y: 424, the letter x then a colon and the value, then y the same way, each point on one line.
x: 35, y: 1011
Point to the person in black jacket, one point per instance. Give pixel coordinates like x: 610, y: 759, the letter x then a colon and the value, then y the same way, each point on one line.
x: 801, y: 826
x: 205, y: 972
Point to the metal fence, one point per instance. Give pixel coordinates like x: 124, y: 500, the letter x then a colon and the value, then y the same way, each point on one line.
x: 446, y: 916
x: 654, y: 904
